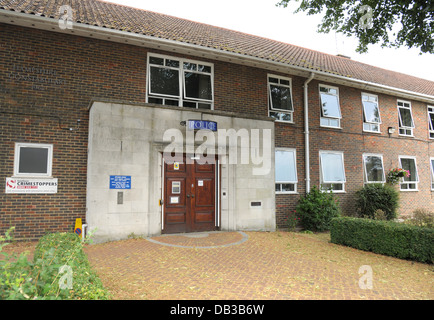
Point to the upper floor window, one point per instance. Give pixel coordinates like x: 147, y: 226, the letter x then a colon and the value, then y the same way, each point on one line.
x: 280, y: 98
x: 374, y: 170
x: 330, y: 108
x: 33, y: 159
x: 371, y: 113
x: 180, y: 82
x: 286, y: 171
x: 409, y: 183
x: 332, y: 171
x: 405, y: 118
x: 431, y: 121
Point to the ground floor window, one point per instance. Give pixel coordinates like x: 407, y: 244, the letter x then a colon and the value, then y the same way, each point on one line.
x: 286, y: 171
x: 432, y: 173
x: 33, y: 159
x: 374, y: 170
x: 409, y: 183
x: 332, y: 171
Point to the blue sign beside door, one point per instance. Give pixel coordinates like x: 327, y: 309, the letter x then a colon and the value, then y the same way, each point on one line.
x: 120, y: 182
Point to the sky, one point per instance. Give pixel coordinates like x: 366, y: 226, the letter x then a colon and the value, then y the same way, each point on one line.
x: 263, y: 18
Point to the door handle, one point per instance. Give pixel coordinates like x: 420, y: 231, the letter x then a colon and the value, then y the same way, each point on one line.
x: 192, y: 195
x: 188, y: 196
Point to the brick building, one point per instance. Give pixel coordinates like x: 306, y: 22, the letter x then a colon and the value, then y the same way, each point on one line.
x: 93, y: 94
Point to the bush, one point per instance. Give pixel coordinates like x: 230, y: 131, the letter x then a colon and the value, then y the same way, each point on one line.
x: 376, y: 196
x: 384, y: 237
x: 59, y: 270
x: 422, y: 218
x: 316, y: 210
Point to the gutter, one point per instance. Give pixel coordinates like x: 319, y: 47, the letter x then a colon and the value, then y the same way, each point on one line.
x: 306, y: 132
x: 51, y: 24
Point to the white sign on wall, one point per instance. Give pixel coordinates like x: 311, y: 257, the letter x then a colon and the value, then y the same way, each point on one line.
x: 23, y: 185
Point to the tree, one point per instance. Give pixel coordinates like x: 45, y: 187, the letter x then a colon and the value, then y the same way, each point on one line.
x: 391, y: 23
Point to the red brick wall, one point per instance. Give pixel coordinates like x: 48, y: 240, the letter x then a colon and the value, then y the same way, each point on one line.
x: 91, y: 68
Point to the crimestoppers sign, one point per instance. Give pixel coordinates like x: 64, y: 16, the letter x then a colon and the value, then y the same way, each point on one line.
x: 23, y: 185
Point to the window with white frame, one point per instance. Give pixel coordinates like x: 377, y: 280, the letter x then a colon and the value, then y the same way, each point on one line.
x: 431, y: 121
x: 405, y: 118
x: 330, y: 108
x: 33, y: 160
x: 280, y: 98
x: 432, y: 173
x: 180, y: 82
x: 374, y: 170
x: 332, y: 171
x: 409, y: 164
x: 371, y: 113
x: 286, y: 171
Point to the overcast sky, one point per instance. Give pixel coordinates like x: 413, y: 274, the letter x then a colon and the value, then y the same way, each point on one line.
x: 263, y: 18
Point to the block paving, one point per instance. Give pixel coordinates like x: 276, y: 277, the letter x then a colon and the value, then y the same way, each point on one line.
x: 253, y: 266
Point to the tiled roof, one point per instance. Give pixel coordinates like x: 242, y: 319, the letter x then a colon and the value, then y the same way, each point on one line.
x: 123, y: 18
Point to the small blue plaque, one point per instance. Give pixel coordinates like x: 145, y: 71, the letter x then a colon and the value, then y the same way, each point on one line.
x: 202, y: 125
x: 120, y: 182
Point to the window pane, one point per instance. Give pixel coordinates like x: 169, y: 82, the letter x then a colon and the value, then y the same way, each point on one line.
x: 330, y: 106
x: 285, y: 166
x: 372, y: 113
x: 33, y: 160
x: 406, y: 119
x: 410, y: 165
x: 164, y: 81
x: 155, y: 60
x: 197, y: 86
x: 288, y: 187
x: 280, y: 97
x: 332, y: 168
x: 374, y: 169
x: 431, y: 121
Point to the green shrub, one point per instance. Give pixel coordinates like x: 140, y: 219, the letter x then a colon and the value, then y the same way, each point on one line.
x: 59, y: 270
x: 384, y: 237
x: 422, y: 218
x: 316, y: 210
x: 376, y: 196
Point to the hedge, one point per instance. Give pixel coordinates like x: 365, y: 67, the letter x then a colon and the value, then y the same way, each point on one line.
x: 66, y: 249
x: 384, y: 237
x: 60, y: 270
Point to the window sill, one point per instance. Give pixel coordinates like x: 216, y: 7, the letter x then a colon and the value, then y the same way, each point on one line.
x: 290, y: 192
x: 338, y: 128
x: 282, y: 121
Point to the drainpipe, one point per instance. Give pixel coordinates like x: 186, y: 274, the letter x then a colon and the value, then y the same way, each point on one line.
x: 306, y: 132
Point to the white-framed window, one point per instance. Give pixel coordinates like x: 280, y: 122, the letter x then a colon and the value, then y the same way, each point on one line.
x: 180, y: 82
x: 286, y: 170
x: 374, y: 169
x: 332, y: 171
x: 431, y: 121
x: 280, y: 106
x: 432, y: 173
x: 371, y: 113
x: 330, y: 108
x: 409, y: 183
x: 405, y: 118
x: 33, y: 160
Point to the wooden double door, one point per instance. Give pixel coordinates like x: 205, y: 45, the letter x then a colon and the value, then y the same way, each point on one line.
x: 190, y: 192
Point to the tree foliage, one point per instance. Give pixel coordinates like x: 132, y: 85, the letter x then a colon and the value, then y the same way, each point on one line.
x: 395, y: 23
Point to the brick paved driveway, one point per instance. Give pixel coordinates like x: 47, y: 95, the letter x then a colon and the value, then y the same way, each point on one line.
x: 250, y: 266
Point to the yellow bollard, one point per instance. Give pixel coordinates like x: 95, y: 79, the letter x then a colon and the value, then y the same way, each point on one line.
x: 78, y: 227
